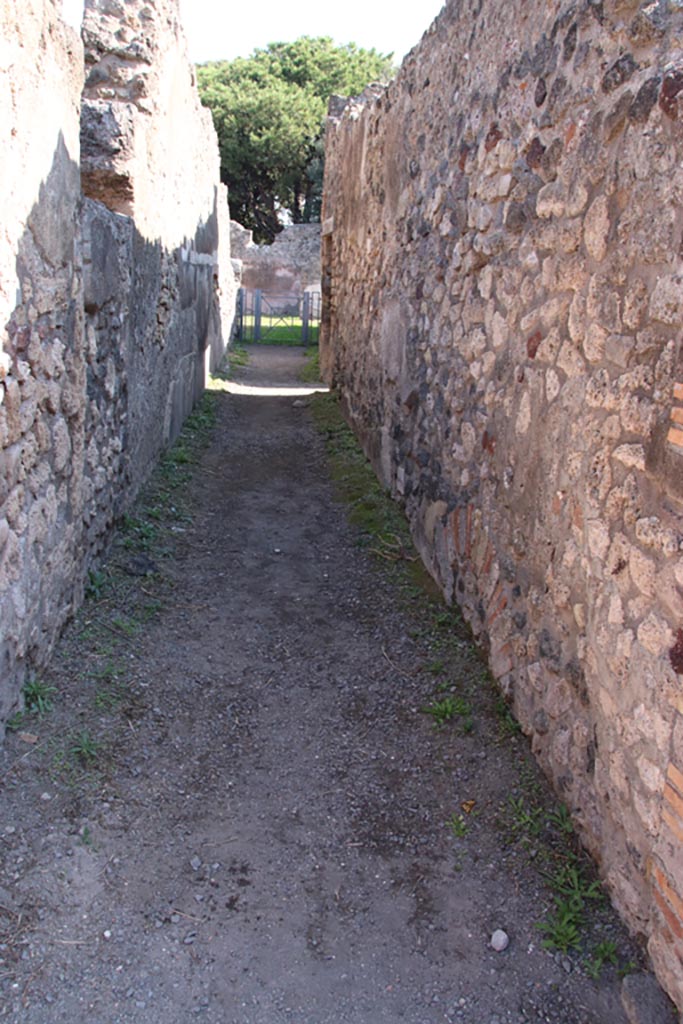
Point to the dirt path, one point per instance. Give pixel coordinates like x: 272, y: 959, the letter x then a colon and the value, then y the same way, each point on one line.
x: 260, y: 836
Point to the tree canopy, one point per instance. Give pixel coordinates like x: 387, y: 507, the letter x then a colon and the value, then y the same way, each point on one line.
x: 269, y: 112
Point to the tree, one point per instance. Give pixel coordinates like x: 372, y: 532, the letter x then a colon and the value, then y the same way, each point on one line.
x: 269, y: 112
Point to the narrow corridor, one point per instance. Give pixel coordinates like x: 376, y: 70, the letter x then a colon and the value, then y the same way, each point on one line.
x: 262, y: 833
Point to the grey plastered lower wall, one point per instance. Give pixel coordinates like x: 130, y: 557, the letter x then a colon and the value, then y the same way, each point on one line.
x: 97, y: 389
x: 152, y: 321
x: 502, y: 231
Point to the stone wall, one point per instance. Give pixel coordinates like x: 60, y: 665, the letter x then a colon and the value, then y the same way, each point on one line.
x: 290, y: 266
x: 112, y: 305
x: 42, y: 359
x: 502, y: 232
x: 149, y: 153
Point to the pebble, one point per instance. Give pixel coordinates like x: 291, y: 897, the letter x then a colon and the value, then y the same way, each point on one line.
x: 500, y: 940
x: 195, y: 863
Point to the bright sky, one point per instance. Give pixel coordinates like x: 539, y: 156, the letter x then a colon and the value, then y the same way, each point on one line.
x: 217, y: 30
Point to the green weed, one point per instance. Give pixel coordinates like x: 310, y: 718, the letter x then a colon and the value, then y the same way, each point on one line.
x: 562, y: 929
x: 529, y: 779
x: 198, y: 424
x: 437, y: 667
x: 524, y: 819
x: 628, y: 968
x: 156, y: 512
x: 60, y: 762
x: 446, y: 709
x: 174, y: 469
x: 443, y: 619
x: 310, y: 374
x: 125, y: 626
x: 507, y: 721
x: 238, y: 356
x: 84, y: 748
x: 179, y: 455
x: 381, y: 524
x: 150, y: 610
x: 98, y: 580
x: 38, y: 696
x: 458, y: 825
x: 141, y: 534
x: 109, y: 698
x: 570, y: 882
x: 86, y: 836
x: 560, y: 819
x: 604, y: 953
x: 93, y: 635
x: 109, y: 672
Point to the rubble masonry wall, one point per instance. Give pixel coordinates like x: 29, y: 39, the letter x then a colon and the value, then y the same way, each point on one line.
x: 116, y: 292
x: 502, y: 232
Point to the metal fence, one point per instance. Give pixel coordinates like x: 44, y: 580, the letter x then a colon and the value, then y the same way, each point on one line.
x: 278, y: 319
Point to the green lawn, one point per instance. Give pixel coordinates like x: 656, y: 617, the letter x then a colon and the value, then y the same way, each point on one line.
x: 279, y: 330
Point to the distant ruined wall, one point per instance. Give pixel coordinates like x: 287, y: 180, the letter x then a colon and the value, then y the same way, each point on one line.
x: 112, y: 304
x: 287, y: 267
x: 502, y: 231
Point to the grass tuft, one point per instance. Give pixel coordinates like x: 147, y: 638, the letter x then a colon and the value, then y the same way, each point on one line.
x: 38, y: 696
x: 310, y: 374
x: 84, y: 748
